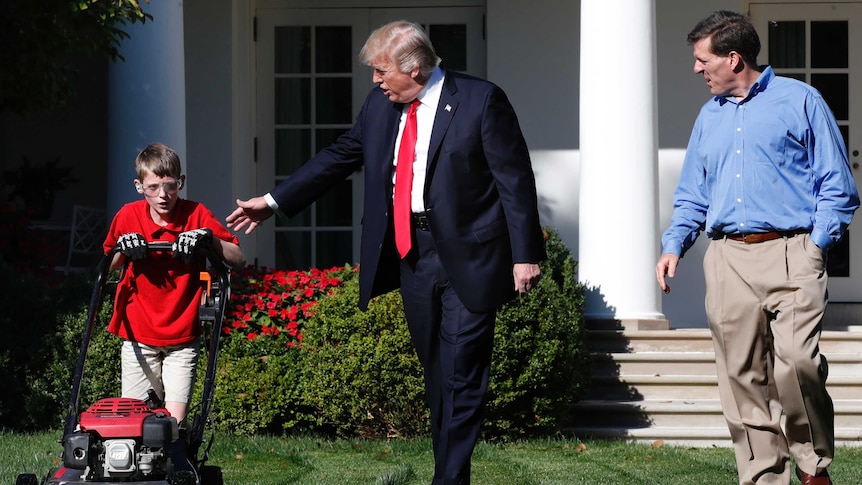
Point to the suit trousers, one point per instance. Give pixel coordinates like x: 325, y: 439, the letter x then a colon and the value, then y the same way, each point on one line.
x: 765, y: 303
x: 454, y: 346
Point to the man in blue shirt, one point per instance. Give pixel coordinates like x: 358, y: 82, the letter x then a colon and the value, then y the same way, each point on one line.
x: 766, y: 176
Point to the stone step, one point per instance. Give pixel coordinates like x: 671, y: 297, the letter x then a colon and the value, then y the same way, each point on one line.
x: 687, y: 413
x: 693, y: 436
x: 662, y: 387
x: 701, y: 437
x: 651, y: 385
x: 616, y: 341
x: 640, y: 387
x: 695, y: 363
x: 697, y: 340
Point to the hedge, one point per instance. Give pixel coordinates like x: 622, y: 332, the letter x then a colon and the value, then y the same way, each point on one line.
x: 298, y: 356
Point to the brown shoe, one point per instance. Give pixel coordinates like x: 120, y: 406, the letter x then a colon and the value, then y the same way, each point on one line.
x: 807, y: 479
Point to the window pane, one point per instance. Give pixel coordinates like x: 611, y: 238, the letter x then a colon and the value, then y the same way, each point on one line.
x: 292, y: 50
x: 293, y: 250
x: 835, y: 90
x: 334, y: 100
x: 334, y: 248
x: 292, y: 149
x: 787, y: 44
x: 303, y: 219
x: 450, y: 42
x: 829, y: 46
x: 335, y: 208
x: 292, y: 101
x: 333, y: 51
x: 795, y: 75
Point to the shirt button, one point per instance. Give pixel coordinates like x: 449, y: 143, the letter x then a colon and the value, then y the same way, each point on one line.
x: 741, y: 224
x: 739, y: 129
x: 739, y: 200
x: 738, y: 175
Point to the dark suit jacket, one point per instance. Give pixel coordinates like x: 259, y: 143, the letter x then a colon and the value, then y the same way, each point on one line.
x: 480, y: 191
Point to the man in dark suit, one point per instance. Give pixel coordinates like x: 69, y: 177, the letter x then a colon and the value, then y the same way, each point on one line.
x: 472, y: 239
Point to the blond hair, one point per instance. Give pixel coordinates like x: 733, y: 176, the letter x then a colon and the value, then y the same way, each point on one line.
x: 403, y: 43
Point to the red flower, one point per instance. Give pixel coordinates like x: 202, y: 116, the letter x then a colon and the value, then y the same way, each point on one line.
x: 259, y: 301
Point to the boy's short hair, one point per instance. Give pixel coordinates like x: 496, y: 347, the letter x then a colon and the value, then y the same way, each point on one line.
x: 158, y: 159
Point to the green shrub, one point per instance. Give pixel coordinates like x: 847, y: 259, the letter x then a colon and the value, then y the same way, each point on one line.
x: 540, y: 364
x: 257, y: 385
x: 297, y: 355
x: 359, y: 376
x: 101, y: 376
x: 254, y: 394
x: 27, y: 322
x: 359, y: 371
x: 33, y: 305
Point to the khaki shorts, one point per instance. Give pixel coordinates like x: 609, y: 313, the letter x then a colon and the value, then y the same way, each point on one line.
x: 170, y: 371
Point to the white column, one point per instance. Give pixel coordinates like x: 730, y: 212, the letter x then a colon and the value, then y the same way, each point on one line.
x: 619, y: 216
x: 146, y: 99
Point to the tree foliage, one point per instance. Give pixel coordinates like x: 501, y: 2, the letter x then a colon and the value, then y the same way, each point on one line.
x: 41, y: 39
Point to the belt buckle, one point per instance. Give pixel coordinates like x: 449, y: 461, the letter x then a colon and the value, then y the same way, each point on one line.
x: 421, y: 221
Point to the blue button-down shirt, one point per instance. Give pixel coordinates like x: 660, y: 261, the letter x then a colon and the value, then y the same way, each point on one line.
x: 774, y: 161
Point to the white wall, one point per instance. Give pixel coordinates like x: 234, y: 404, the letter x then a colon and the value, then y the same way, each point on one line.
x: 209, y: 138
x: 533, y: 53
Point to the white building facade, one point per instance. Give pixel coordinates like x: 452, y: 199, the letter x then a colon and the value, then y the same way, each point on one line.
x: 246, y: 90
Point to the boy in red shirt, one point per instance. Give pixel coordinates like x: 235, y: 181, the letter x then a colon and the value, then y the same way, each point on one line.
x: 157, y: 300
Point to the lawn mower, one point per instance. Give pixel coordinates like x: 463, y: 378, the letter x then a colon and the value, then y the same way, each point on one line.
x: 130, y: 441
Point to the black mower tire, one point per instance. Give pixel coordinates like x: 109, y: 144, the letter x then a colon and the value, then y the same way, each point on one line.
x: 27, y: 479
x: 211, y: 475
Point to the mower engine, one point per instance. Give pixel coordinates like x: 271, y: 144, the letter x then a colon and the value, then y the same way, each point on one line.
x: 119, y: 439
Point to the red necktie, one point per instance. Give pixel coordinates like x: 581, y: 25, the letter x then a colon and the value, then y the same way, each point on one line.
x: 404, y: 182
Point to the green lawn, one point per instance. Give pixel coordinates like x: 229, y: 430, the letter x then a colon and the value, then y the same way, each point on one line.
x: 266, y: 460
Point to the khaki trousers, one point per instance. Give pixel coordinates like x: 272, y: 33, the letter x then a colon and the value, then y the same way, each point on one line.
x: 764, y: 303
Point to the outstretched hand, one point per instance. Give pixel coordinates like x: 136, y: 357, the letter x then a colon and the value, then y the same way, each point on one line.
x: 249, y: 213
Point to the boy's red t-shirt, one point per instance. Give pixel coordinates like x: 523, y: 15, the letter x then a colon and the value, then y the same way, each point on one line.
x: 158, y: 299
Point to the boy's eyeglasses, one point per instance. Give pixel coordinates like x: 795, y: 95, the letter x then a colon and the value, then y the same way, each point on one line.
x: 169, y: 187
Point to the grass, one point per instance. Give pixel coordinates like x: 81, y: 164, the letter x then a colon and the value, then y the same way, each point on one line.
x: 266, y: 460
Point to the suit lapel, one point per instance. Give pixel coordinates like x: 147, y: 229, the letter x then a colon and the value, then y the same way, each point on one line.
x: 446, y: 108
x: 390, y: 124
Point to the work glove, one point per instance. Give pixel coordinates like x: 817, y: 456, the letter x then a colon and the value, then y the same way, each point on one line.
x: 190, y: 241
x: 133, y: 246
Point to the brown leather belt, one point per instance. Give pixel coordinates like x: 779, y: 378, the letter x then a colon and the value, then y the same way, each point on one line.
x: 759, y: 237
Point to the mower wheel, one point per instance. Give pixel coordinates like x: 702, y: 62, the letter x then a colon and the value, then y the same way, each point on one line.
x: 27, y: 479
x: 211, y: 475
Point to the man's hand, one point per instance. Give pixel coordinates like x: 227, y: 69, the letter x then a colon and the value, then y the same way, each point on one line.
x: 188, y: 242
x: 526, y: 276
x: 666, y: 267
x: 249, y: 213
x: 133, y: 246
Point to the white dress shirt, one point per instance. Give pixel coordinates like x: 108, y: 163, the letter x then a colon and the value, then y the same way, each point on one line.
x: 429, y: 97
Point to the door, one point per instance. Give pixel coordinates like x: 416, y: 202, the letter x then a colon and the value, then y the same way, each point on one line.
x: 310, y: 85
x: 821, y: 44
